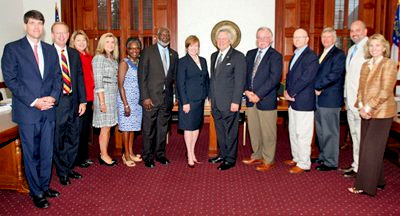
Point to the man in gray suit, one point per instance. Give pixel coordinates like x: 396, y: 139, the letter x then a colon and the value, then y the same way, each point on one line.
x: 228, y: 75
x: 156, y: 74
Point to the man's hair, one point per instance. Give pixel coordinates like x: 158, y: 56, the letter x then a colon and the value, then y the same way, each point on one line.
x: 33, y: 14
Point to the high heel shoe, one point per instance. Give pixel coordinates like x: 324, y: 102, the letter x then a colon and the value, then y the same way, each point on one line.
x: 353, y: 190
x: 198, y: 162
x: 102, y: 162
x: 136, y: 158
x: 128, y: 163
x: 191, y: 165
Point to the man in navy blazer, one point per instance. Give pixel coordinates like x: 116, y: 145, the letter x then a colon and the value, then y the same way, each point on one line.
x: 228, y: 74
x: 300, y: 93
x: 72, y: 104
x: 32, y: 72
x: 329, y: 90
x: 264, y: 70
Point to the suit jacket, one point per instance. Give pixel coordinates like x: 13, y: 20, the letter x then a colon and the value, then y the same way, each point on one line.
x: 228, y: 80
x: 152, y: 78
x: 22, y: 76
x: 330, y: 79
x: 376, y: 88
x: 267, y: 78
x: 191, y: 82
x: 300, y: 81
x: 77, y: 81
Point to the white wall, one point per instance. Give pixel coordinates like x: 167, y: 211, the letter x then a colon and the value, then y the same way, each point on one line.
x: 12, y: 24
x: 198, y: 17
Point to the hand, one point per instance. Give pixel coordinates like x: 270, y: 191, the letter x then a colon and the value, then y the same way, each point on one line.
x: 49, y: 99
x: 82, y: 109
x: 255, y: 99
x: 234, y: 107
x: 317, y: 92
x: 186, y: 108
x: 364, y: 114
x: 44, y: 103
x: 127, y: 110
x: 103, y: 107
x: 287, y: 97
x: 148, y: 104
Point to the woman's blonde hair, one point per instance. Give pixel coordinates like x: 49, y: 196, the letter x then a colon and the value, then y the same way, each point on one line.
x: 382, y: 40
x: 73, y: 37
x: 100, y: 46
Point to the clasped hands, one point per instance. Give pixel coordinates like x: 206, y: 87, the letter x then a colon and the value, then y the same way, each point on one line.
x: 45, y: 103
x: 364, y: 115
x: 252, y: 96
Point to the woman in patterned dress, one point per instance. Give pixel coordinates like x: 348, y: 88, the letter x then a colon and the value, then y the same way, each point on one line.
x: 105, y: 70
x: 129, y: 110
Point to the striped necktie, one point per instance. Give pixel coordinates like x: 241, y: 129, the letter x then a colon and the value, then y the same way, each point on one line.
x: 65, y: 74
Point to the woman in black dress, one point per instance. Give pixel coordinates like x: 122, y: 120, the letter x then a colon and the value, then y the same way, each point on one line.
x: 192, y: 85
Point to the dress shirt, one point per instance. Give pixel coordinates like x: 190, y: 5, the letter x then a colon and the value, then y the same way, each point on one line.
x: 297, y: 54
x: 163, y: 50
x: 40, y: 54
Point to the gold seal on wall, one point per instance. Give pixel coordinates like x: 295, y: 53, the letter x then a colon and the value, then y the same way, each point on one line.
x: 228, y: 25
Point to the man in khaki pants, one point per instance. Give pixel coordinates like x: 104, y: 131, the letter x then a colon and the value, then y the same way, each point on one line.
x: 264, y: 69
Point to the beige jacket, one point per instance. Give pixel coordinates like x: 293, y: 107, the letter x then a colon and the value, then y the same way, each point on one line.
x: 376, y: 88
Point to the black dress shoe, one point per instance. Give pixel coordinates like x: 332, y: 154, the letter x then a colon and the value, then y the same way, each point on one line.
x: 350, y: 174
x: 163, y: 160
x: 225, y: 165
x: 74, y: 175
x: 324, y: 167
x: 85, y: 164
x: 51, y: 193
x: 102, y: 162
x: 316, y: 160
x: 64, y: 180
x: 40, y: 201
x: 88, y: 161
x: 380, y: 187
x: 215, y: 160
x: 149, y: 163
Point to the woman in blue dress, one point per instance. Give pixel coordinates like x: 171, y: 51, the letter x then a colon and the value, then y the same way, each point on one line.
x: 192, y: 85
x: 129, y: 110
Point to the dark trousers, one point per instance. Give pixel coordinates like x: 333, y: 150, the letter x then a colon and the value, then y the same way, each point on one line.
x: 374, y: 136
x: 154, y: 129
x: 37, y: 147
x: 85, y: 124
x: 66, y: 136
x: 227, y: 127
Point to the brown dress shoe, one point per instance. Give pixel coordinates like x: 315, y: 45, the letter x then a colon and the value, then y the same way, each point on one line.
x: 250, y: 161
x: 265, y: 167
x: 289, y: 162
x: 297, y: 170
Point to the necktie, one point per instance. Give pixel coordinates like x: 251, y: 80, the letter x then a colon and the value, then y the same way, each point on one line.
x: 36, y: 53
x: 321, y: 58
x: 65, y: 74
x: 353, y: 53
x: 219, y: 60
x: 164, y: 61
x: 256, y: 63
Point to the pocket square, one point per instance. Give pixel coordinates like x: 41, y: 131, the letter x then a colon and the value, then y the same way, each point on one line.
x: 228, y: 63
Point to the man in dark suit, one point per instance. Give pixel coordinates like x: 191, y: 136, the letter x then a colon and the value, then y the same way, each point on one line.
x: 71, y: 105
x: 300, y: 93
x: 156, y: 74
x: 329, y: 90
x: 264, y: 70
x: 31, y: 71
x: 228, y: 74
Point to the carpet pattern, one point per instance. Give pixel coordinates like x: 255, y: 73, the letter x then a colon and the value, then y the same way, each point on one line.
x: 176, y: 189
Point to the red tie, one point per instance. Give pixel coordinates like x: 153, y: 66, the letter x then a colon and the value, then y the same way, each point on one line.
x: 65, y: 74
x: 36, y: 53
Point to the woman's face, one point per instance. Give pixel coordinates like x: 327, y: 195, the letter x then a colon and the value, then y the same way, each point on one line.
x: 109, y: 44
x: 193, y: 49
x: 376, y: 48
x: 133, y: 50
x: 80, y: 43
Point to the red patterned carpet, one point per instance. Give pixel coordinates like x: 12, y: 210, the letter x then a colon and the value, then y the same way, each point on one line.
x: 178, y: 190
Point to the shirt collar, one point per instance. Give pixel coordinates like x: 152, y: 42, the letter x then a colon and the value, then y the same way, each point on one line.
x: 329, y: 48
x: 32, y: 43
x: 161, y: 47
x: 225, y: 51
x: 300, y: 50
x: 59, y: 48
x: 264, y: 50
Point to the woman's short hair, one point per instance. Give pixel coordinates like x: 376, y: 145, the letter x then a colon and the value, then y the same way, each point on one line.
x: 382, y: 40
x: 133, y: 39
x: 100, y: 46
x: 73, y: 37
x: 192, y: 39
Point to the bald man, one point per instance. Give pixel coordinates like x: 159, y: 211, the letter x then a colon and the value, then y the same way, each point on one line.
x: 300, y: 93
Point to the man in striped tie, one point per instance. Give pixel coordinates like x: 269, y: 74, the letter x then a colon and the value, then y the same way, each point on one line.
x: 72, y: 104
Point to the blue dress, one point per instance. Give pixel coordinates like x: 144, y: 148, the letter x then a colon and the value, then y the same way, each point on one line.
x: 134, y: 121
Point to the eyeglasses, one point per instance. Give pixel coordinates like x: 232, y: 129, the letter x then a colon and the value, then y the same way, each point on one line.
x: 300, y: 37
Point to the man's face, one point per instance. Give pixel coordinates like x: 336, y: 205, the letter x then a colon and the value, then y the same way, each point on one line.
x: 34, y: 28
x: 357, y: 32
x: 60, y: 35
x: 164, y: 37
x: 223, y: 41
x: 327, y: 39
x: 300, y: 38
x: 264, y: 39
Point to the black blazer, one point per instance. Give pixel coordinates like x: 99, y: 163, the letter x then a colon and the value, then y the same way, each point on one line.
x: 152, y: 78
x: 300, y: 81
x: 330, y: 79
x: 267, y: 78
x: 22, y: 76
x: 228, y: 80
x: 191, y: 82
x: 76, y: 73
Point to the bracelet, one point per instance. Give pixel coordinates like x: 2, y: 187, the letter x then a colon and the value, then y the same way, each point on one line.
x: 127, y: 106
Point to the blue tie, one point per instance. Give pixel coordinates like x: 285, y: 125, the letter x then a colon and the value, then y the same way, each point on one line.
x: 352, y: 53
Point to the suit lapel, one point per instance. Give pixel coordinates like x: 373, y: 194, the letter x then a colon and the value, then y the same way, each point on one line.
x: 328, y: 55
x: 31, y: 56
x: 194, y: 65
x: 224, y: 61
x: 157, y: 53
x: 264, y: 59
x: 300, y: 58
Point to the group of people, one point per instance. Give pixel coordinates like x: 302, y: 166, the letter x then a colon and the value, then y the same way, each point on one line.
x: 60, y: 92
